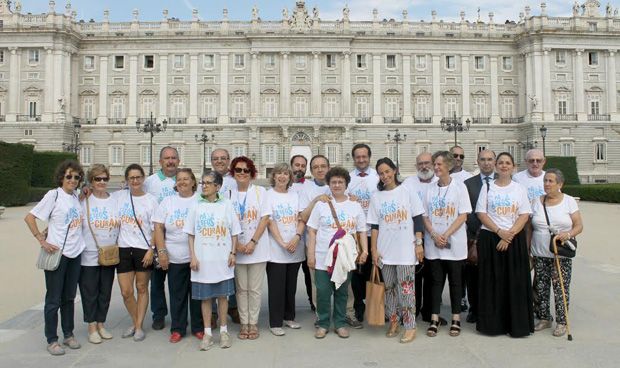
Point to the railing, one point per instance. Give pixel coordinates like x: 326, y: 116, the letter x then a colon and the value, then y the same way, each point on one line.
x: 481, y: 120
x: 565, y: 117
x: 208, y: 120
x: 392, y: 120
x: 364, y: 120
x: 2, y: 118
x: 176, y: 121
x: 512, y: 120
x: 599, y: 117
x: 28, y: 117
x: 87, y: 121
x: 119, y: 121
x: 422, y: 120
x: 238, y: 120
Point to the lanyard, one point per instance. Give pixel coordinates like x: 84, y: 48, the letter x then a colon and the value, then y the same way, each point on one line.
x: 242, y: 205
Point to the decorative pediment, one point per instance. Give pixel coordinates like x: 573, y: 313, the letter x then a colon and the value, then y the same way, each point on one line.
x: 301, y: 91
x: 331, y: 91
x: 238, y: 92
x: 421, y: 91
x: 178, y: 92
x: 596, y: 89
x: 208, y: 91
x: 147, y: 92
x: 118, y: 93
x: 88, y: 92
x: 451, y: 92
x: 33, y: 89
x: 392, y: 91
x: 3, y: 90
x: 561, y: 90
x: 270, y: 91
x: 480, y: 93
x: 301, y: 137
x: 361, y: 91
x: 508, y: 92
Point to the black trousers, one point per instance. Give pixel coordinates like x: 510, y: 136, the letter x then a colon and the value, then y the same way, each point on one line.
x: 61, y: 287
x: 441, y: 268
x: 96, y: 290
x: 358, y: 285
x: 282, y: 286
x: 158, y: 294
x: 423, y: 290
x: 471, y: 279
x: 180, y: 290
x: 307, y: 280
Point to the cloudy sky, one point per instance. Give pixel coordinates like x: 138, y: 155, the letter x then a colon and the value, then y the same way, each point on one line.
x: 448, y: 10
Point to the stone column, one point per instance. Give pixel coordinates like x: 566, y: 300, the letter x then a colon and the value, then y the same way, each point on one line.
x: 346, y: 84
x: 255, y: 104
x: 66, y: 88
x: 529, y: 89
x: 48, y: 108
x: 74, y: 84
x: 14, y: 84
x: 223, y: 118
x: 495, y: 119
x: 58, y: 83
x: 538, y: 84
x: 612, y: 90
x: 520, y: 63
x: 579, y: 89
x: 132, y: 114
x: 315, y: 93
x: 193, y: 89
x: 285, y: 85
x: 465, y: 87
x: 102, y: 117
x: 163, y: 87
x: 546, y: 82
x: 407, y: 114
x: 376, y: 89
x: 436, y: 89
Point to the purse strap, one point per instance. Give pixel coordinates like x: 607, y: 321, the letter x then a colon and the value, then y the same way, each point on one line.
x: 334, y: 215
x: 89, y: 225
x: 133, y: 209
x: 544, y: 203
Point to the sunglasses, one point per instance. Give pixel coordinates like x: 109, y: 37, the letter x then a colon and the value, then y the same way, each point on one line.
x: 99, y: 179
x: 240, y: 170
x: 74, y: 177
x: 535, y: 160
x: 456, y: 155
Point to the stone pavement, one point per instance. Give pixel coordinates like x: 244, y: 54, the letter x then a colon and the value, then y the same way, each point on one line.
x: 594, y: 320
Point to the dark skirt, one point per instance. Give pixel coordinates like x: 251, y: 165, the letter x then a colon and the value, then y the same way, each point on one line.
x: 505, y: 287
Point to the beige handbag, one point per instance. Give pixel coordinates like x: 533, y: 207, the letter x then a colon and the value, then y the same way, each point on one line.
x: 108, y: 255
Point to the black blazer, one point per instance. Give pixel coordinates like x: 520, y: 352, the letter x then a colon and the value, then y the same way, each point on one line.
x: 474, y: 186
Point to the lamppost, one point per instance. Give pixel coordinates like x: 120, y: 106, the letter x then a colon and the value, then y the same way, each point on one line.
x: 152, y: 127
x: 75, y: 144
x: 454, y: 125
x: 528, y: 145
x: 397, y: 138
x: 204, y: 138
x: 543, y: 134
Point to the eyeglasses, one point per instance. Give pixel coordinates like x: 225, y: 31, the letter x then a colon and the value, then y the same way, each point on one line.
x: 219, y: 159
x: 316, y: 167
x: 134, y: 178
x: 74, y: 177
x: 240, y: 170
x: 205, y: 183
x: 100, y: 179
x: 456, y: 155
x: 535, y: 160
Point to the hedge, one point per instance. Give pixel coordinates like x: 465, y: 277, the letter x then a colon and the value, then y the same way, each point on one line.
x: 44, y: 164
x: 594, y: 192
x: 568, y: 166
x: 15, y: 173
x: 36, y: 194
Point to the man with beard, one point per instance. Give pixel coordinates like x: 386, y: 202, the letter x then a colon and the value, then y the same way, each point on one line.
x: 423, y: 283
x: 457, y: 172
x: 486, y: 163
x: 532, y: 177
x: 161, y: 185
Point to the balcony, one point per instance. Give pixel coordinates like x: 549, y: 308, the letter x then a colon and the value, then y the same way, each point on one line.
x: 2, y: 118
x: 392, y: 120
x: 28, y: 117
x: 518, y: 120
x: 450, y: 119
x: 422, y: 120
x: 238, y: 120
x: 86, y: 121
x: 208, y: 120
x: 599, y: 117
x: 565, y: 117
x: 177, y: 121
x: 120, y: 121
x: 481, y: 120
x: 364, y: 120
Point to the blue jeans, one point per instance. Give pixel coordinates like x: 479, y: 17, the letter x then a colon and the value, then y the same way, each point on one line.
x: 61, y: 287
x: 158, y: 294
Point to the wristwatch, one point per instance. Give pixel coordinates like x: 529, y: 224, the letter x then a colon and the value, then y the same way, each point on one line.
x: 418, y: 241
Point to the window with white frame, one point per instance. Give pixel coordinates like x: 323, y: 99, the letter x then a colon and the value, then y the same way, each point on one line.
x: 33, y: 76
x: 331, y: 106
x: 33, y: 57
x: 1, y: 56
x: 209, y: 107
x: 451, y: 107
x: 149, y: 62
x: 392, y: 107
x: 479, y: 62
x: 360, y: 61
x: 239, y: 150
x: 600, y: 151
x: 450, y: 62
x: 270, y: 154
x: 420, y: 62
x: 32, y: 108
x: 507, y: 63
x: 421, y: 107
x: 390, y: 61
x: 178, y: 107
x: 148, y: 107
x: 560, y: 57
x: 480, y: 107
x: 508, y: 107
x: 88, y: 107
x: 208, y: 61
x: 238, y: 107
x: 562, y: 101
x: 270, y: 106
x: 116, y: 155
x: 332, y: 153
x: 393, y: 152
x: 269, y: 60
x: 300, y: 107
x: 595, y: 105
x: 179, y: 61
x: 119, y: 61
x: 481, y: 147
x: 86, y: 155
x: 361, y: 107
x: 118, y: 108
x: 27, y: 132
x: 593, y: 58
x: 566, y: 149
x: 300, y: 61
x: 89, y: 62
x: 145, y: 154
x: 300, y: 79
x: 330, y: 60
x: 422, y: 147
x: 239, y: 61
x: 181, y: 150
x: 512, y: 149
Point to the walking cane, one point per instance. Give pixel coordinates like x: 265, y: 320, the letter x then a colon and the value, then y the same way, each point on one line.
x: 557, y: 266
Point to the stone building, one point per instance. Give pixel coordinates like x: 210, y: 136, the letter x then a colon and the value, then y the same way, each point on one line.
x: 302, y: 84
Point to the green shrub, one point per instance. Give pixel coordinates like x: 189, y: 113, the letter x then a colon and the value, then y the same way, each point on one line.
x: 36, y: 194
x: 15, y: 173
x: 568, y: 166
x: 594, y: 192
x: 44, y: 164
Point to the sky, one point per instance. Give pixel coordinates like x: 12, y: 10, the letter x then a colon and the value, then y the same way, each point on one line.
x: 448, y: 10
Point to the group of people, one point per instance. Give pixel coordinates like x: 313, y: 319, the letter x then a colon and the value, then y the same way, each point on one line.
x: 216, y: 237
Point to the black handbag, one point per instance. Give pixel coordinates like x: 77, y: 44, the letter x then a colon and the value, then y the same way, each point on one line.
x: 155, y: 256
x: 557, y: 247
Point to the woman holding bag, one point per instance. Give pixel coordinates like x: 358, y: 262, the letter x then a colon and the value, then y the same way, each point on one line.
x: 61, y: 209
x: 100, y: 232
x: 395, y: 216
x: 564, y: 219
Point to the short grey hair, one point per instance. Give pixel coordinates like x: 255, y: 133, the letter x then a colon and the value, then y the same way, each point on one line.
x: 161, y: 152
x: 559, y: 176
x: 448, y: 158
x: 531, y: 152
x: 216, y: 176
x: 281, y: 168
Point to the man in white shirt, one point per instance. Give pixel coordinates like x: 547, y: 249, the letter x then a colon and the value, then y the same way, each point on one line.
x: 161, y: 185
x: 220, y: 162
x: 363, y: 185
x: 457, y: 172
x: 532, y: 177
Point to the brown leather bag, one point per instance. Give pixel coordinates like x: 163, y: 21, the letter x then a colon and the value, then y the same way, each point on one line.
x: 108, y: 255
x: 375, y: 299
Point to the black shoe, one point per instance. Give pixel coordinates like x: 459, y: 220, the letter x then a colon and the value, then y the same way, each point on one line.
x: 463, y: 306
x: 312, y: 307
x: 471, y: 317
x: 158, y: 324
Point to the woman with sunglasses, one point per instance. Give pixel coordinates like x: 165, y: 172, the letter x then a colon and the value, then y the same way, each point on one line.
x: 249, y: 202
x: 61, y: 209
x: 395, y: 216
x: 505, y: 287
x: 135, y: 240
x: 100, y: 229
x: 170, y: 240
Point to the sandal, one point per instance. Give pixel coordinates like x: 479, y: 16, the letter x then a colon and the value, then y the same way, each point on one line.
x: 455, y: 329
x: 431, y: 331
x: 253, y: 332
x: 243, y: 332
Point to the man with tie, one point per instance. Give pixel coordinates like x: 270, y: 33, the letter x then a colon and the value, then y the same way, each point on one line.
x: 486, y: 163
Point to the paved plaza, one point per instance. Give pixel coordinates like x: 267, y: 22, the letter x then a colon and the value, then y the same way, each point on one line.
x: 594, y: 320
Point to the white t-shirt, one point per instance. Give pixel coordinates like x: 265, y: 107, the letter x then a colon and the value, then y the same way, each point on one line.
x: 255, y: 202
x: 284, y: 210
x: 62, y: 211
x: 160, y: 186
x: 393, y: 210
x: 559, y: 217
x: 173, y: 212
x: 213, y: 225
x: 461, y: 175
x: 413, y: 184
x: 104, y: 222
x: 296, y: 188
x: 534, y: 185
x: 352, y: 220
x: 443, y: 205
x: 505, y: 204
x: 363, y: 187
x: 228, y: 185
x: 309, y: 191
x: 130, y: 235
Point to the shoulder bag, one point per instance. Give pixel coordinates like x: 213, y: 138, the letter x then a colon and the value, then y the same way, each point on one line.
x: 155, y: 256
x: 107, y: 255
x: 556, y: 246
x: 50, y: 261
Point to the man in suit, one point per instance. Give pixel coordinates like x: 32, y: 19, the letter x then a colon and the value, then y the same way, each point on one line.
x: 486, y: 163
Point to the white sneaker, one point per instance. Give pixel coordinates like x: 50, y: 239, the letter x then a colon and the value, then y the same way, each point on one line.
x: 277, y: 331
x: 94, y: 338
x: 105, y: 334
x: 206, y: 343
x: 292, y: 324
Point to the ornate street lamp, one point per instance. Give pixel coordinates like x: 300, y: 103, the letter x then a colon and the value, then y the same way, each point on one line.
x: 397, y: 138
x: 75, y: 144
x: 543, y: 134
x: 454, y: 125
x: 152, y: 127
x: 204, y: 138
